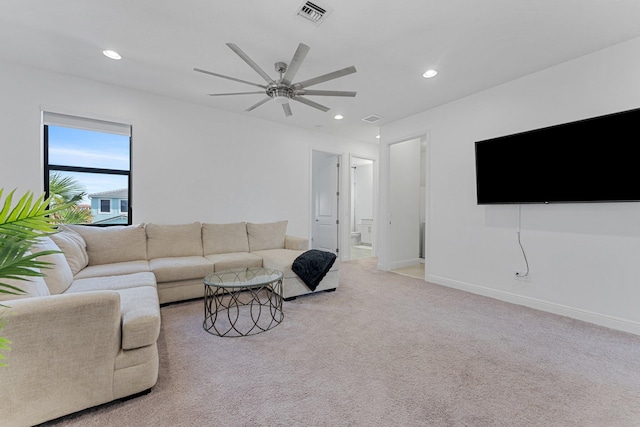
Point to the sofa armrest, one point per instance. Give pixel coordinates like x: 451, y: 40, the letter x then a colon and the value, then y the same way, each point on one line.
x: 296, y: 243
x: 63, y: 350
x: 140, y: 316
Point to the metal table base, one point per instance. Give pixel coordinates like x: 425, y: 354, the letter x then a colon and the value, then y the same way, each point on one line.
x: 243, y: 302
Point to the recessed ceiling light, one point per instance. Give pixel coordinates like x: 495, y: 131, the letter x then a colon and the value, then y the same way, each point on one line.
x: 338, y: 117
x: 377, y: 136
x: 429, y: 73
x: 111, y: 54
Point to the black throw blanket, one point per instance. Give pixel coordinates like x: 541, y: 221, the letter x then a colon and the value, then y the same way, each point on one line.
x: 311, y: 266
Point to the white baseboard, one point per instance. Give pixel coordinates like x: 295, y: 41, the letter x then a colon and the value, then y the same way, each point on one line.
x: 550, y: 307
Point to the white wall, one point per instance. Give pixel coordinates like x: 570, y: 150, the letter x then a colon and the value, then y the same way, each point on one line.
x: 584, y: 258
x: 190, y: 162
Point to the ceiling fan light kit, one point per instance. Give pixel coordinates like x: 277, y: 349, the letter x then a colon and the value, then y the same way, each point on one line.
x: 282, y: 89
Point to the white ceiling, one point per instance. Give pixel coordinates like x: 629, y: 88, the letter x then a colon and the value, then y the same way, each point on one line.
x: 473, y: 44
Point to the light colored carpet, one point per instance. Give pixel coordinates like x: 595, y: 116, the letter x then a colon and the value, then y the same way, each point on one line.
x: 388, y: 350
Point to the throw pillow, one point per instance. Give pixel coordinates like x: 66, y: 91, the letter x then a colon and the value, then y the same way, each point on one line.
x: 58, y: 275
x: 74, y: 248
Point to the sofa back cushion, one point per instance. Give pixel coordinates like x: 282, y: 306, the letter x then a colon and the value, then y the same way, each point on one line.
x: 32, y: 287
x: 74, y: 248
x: 174, y: 240
x: 107, y: 245
x: 58, y: 275
x: 224, y: 238
x: 266, y: 236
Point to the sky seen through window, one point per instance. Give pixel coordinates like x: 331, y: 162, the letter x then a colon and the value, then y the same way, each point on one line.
x: 84, y: 148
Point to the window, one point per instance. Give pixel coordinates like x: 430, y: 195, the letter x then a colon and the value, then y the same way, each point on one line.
x: 88, y: 162
x: 105, y: 206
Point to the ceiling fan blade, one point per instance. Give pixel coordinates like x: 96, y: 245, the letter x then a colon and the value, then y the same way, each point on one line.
x: 295, y: 63
x: 326, y: 92
x: 235, y: 93
x: 325, y: 77
x: 229, y: 78
x: 287, y: 109
x: 254, y: 106
x: 249, y: 61
x: 311, y: 103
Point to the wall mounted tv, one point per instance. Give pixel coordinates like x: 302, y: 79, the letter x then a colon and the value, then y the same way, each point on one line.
x: 592, y: 160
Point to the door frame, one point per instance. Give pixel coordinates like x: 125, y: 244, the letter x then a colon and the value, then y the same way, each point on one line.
x: 384, y: 210
x: 340, y: 197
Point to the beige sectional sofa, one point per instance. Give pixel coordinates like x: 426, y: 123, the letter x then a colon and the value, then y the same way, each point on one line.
x: 86, y: 333
x: 77, y: 343
x: 181, y: 255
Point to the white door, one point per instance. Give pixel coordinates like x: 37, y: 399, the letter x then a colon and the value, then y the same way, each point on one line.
x: 325, y: 201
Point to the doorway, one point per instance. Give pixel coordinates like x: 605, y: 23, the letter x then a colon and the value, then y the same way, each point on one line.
x: 361, y: 224
x: 407, y: 191
x: 325, y: 202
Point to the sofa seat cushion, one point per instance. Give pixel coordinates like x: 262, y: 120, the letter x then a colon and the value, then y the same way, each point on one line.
x: 106, y: 245
x: 115, y: 269
x: 234, y: 260
x: 180, y: 268
x: 112, y: 283
x: 140, y: 316
x: 279, y: 259
x: 174, y: 240
x: 224, y: 238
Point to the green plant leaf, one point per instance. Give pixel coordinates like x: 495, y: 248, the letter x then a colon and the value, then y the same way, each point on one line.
x: 28, y: 218
x: 4, y: 343
x: 17, y: 264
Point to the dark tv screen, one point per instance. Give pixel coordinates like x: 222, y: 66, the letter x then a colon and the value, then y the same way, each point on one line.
x: 592, y: 160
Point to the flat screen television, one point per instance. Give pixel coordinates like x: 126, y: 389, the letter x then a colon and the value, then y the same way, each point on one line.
x: 591, y: 160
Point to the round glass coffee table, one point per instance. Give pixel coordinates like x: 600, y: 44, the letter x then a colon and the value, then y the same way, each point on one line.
x: 242, y: 302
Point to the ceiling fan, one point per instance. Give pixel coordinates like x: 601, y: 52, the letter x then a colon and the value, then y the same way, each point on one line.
x: 282, y: 90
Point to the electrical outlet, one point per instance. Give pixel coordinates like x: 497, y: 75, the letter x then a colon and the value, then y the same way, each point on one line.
x: 522, y: 276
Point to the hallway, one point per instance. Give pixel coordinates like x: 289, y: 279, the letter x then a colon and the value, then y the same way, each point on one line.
x: 412, y: 271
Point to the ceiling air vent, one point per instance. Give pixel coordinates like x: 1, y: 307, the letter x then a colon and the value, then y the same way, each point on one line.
x: 372, y: 119
x: 313, y: 12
